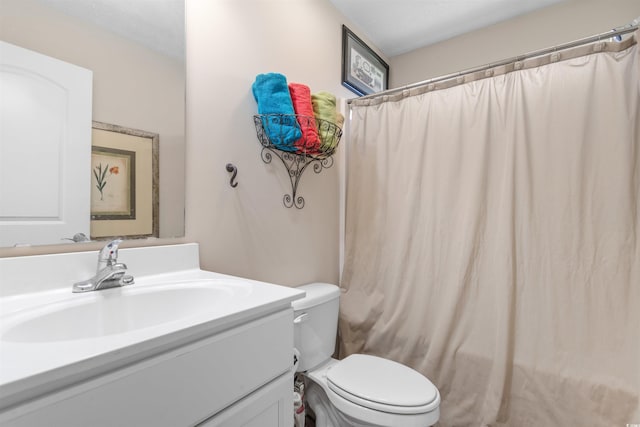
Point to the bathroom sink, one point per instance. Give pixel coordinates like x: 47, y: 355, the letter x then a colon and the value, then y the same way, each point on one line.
x: 53, y: 340
x: 119, y: 311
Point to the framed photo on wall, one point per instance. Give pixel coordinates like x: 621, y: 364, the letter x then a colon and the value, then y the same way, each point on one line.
x: 363, y: 71
x: 124, y: 182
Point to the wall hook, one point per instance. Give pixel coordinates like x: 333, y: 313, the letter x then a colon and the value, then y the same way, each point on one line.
x: 232, y: 168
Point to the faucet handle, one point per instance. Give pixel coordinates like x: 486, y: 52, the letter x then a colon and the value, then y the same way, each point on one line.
x: 109, y: 253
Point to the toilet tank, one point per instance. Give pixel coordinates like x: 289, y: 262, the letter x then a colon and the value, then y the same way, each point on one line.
x: 315, y: 324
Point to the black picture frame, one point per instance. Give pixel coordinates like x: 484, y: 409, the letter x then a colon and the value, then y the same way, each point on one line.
x: 363, y: 71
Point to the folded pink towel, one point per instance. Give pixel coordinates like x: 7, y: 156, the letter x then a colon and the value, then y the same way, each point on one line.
x: 301, y: 98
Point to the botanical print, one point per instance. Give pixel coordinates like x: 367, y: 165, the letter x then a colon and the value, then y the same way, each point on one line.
x: 111, y: 181
x: 100, y: 175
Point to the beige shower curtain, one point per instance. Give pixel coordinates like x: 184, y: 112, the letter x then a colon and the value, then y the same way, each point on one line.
x: 492, y: 239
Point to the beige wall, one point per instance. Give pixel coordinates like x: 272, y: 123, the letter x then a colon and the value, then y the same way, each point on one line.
x: 247, y: 231
x: 564, y: 22
x: 132, y: 87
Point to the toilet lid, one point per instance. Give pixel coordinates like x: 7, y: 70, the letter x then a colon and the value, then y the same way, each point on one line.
x: 382, y: 384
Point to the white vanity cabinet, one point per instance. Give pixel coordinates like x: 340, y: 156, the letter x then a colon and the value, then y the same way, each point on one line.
x: 233, y: 368
x: 243, y: 374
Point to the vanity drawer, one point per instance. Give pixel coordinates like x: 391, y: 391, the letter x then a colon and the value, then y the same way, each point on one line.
x: 179, y: 388
x: 270, y: 406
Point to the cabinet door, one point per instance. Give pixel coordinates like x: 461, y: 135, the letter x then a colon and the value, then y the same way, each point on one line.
x: 270, y: 406
x: 45, y: 147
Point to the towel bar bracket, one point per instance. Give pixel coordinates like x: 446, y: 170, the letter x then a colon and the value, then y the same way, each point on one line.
x: 295, y: 164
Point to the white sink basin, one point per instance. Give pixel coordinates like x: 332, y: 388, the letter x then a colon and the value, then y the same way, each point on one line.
x: 119, y: 310
x: 51, y: 338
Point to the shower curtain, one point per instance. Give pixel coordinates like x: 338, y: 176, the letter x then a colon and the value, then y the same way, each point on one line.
x: 492, y: 240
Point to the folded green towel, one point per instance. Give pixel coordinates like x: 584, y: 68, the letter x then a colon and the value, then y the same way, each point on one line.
x: 334, y: 140
x: 324, y: 108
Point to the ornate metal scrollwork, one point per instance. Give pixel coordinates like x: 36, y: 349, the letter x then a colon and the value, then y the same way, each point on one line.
x: 296, y: 158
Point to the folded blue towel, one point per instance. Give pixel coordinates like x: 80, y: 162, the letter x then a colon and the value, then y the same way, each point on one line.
x: 272, y: 95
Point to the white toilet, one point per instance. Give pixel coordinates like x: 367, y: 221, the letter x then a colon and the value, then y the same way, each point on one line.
x: 359, y: 390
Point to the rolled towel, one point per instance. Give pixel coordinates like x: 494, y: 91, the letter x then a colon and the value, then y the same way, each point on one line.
x: 324, y: 107
x: 333, y: 143
x: 274, y: 101
x: 301, y: 97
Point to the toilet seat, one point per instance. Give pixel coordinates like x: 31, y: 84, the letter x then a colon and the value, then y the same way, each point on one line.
x: 355, y: 413
x: 382, y: 385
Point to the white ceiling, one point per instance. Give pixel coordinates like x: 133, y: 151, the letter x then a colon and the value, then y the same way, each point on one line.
x: 394, y: 26
x: 400, y: 26
x: 157, y: 24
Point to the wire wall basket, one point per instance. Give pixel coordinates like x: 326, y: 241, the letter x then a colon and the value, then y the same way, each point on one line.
x: 297, y: 141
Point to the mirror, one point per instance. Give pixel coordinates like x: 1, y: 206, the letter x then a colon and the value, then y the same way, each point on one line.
x: 135, y: 50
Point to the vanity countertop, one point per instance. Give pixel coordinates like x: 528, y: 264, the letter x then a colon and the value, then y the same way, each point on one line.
x: 51, y: 338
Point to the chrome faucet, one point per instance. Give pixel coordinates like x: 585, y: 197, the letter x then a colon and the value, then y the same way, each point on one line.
x: 110, y: 272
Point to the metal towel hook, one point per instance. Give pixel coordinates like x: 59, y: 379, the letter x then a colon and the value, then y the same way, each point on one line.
x: 232, y: 168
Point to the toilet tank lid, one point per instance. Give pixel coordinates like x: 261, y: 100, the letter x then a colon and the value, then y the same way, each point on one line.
x: 317, y: 293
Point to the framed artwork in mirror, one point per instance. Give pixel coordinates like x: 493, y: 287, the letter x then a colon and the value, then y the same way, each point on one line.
x: 363, y: 71
x: 124, y: 182
x: 113, y: 186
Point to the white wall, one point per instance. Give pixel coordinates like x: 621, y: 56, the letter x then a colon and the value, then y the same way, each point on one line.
x: 132, y: 87
x: 247, y: 231
x: 560, y: 23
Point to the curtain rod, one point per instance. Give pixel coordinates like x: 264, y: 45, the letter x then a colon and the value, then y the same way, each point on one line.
x: 591, y: 39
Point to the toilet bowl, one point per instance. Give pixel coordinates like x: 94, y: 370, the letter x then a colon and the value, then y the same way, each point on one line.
x: 360, y: 390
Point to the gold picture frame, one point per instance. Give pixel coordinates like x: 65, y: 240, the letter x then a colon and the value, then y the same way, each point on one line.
x: 124, y: 182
